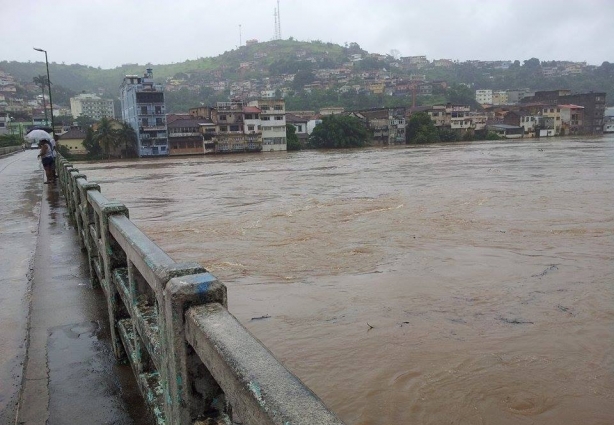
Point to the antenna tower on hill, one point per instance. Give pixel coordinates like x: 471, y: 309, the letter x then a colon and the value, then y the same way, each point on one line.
x: 277, y: 23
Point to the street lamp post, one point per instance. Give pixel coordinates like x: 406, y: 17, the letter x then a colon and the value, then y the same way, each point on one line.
x: 49, y: 85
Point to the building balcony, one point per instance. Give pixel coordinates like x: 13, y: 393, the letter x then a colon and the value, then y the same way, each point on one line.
x: 197, y: 134
x: 153, y: 128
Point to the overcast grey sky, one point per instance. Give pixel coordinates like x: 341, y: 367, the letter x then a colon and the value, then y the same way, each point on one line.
x: 108, y: 33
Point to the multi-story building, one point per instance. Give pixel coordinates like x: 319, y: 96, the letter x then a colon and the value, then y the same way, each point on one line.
x: 499, y: 97
x: 437, y: 113
x: 5, y: 119
x: 483, y: 97
x: 273, y: 123
x: 92, y: 106
x: 554, y: 113
x: 455, y: 117
x: 387, y: 124
x: 142, y: 103
x: 73, y: 141
x: 184, y: 136
x: 572, y: 117
x: 516, y: 95
x: 300, y: 126
x: 593, y: 103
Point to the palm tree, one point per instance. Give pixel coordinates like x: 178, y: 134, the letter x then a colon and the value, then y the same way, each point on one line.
x: 127, y: 135
x: 106, y: 136
x: 41, y: 81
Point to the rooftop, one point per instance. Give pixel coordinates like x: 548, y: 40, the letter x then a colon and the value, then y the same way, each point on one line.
x: 73, y: 133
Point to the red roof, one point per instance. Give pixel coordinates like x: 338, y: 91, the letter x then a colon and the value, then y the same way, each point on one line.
x: 571, y: 106
x: 251, y: 110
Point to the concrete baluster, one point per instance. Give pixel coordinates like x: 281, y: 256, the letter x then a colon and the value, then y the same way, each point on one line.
x: 183, y: 373
x: 86, y: 212
x: 112, y: 256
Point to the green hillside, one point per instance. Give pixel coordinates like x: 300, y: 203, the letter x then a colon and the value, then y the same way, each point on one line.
x: 276, y: 58
x: 79, y: 78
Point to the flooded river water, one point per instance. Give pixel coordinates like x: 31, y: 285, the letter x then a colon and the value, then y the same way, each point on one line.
x: 454, y: 283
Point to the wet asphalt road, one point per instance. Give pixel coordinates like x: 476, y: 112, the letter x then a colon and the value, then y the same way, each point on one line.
x: 56, y: 366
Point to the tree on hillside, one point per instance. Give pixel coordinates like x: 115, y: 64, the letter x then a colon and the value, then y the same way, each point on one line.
x: 63, y: 120
x: 302, y: 78
x: 460, y: 94
x: 420, y: 129
x: 370, y: 64
x: 292, y: 138
x: 106, y: 136
x: 337, y: 131
x: 85, y: 121
x: 41, y: 81
x: 532, y: 64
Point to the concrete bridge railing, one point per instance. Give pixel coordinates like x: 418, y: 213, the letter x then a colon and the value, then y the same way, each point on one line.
x: 193, y: 361
x: 9, y: 149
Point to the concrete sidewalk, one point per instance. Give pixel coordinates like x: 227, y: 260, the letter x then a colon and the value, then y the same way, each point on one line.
x: 70, y: 373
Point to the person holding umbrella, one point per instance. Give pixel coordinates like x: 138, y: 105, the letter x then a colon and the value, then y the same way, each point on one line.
x: 46, y: 156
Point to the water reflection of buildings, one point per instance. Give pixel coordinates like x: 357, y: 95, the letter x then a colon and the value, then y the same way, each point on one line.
x: 608, y: 120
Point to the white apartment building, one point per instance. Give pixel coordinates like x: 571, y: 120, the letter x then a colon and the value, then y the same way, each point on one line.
x: 92, y: 106
x: 273, y: 124
x: 483, y: 97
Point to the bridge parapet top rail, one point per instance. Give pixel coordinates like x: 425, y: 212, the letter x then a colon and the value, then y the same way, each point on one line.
x: 192, y: 359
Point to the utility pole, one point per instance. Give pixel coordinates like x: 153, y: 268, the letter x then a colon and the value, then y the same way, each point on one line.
x: 49, y: 84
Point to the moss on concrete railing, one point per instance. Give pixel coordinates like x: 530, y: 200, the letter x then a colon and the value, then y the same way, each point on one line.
x: 192, y: 359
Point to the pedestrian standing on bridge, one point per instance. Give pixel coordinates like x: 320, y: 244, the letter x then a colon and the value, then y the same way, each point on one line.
x: 46, y: 156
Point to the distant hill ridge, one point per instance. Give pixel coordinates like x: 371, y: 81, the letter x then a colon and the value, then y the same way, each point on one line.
x: 79, y: 78
x: 275, y: 58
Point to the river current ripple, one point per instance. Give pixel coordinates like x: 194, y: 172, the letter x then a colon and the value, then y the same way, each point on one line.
x: 453, y: 283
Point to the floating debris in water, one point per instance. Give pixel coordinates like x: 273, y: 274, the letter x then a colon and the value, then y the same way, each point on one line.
x: 552, y: 268
x: 515, y: 321
x: 565, y: 309
x: 266, y: 316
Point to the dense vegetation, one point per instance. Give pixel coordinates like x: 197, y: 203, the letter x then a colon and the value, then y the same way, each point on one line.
x: 108, y: 138
x: 338, y: 131
x: 10, y: 140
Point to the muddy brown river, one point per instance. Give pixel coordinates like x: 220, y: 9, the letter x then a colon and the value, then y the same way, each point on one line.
x: 444, y: 284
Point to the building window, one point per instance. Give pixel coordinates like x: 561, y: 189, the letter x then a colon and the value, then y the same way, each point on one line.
x: 250, y: 128
x: 279, y: 108
x: 222, y: 117
x: 234, y: 128
x: 143, y: 109
x: 278, y: 117
x: 223, y: 128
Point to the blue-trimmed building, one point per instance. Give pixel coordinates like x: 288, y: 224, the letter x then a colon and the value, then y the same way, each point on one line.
x: 142, y: 103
